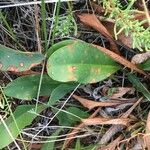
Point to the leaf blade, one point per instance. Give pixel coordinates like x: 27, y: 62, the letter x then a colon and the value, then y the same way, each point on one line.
x: 139, y: 86
x: 81, y: 62
x: 17, y: 61
x: 60, y: 91
x: 20, y: 113
x: 26, y: 87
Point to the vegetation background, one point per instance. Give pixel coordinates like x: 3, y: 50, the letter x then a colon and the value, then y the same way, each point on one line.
x: 74, y: 74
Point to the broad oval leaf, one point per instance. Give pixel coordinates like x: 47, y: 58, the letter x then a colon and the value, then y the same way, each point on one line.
x: 23, y: 116
x: 56, y: 46
x: 27, y: 87
x: 80, y: 62
x: 70, y: 116
x: 60, y: 92
x: 17, y: 61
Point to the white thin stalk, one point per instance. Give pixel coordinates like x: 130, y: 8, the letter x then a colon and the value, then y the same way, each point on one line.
x: 32, y: 3
x: 55, y: 113
x: 5, y: 125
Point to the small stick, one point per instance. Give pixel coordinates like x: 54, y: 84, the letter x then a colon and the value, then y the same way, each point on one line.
x: 36, y: 9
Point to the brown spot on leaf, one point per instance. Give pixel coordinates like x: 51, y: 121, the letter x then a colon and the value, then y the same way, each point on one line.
x: 109, y: 74
x: 96, y: 70
x: 71, y: 68
x: 93, y: 81
x: 72, y: 78
x: 120, y: 59
x: 21, y: 64
x: 13, y: 69
x: 70, y: 46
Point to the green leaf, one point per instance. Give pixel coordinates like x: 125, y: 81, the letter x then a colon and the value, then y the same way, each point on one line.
x: 17, y: 61
x: 50, y: 145
x: 80, y: 62
x: 60, y: 92
x: 139, y: 86
x: 23, y: 117
x: 90, y: 147
x: 56, y: 46
x: 145, y: 65
x: 78, y: 145
x: 71, y: 116
x: 27, y: 87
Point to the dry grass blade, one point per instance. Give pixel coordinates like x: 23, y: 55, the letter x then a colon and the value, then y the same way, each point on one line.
x: 120, y: 59
x: 37, y: 27
x: 92, y: 104
x: 112, y: 145
x: 92, y: 21
x: 128, y: 112
x: 117, y: 128
x: 75, y: 131
x: 147, y: 136
x: 104, y: 121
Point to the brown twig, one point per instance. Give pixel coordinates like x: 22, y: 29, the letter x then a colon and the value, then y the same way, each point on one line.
x: 146, y: 12
x: 37, y: 28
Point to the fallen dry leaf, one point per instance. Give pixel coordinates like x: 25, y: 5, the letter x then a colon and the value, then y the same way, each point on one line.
x: 112, y: 145
x: 147, y: 136
x: 120, y: 59
x: 139, y: 144
x: 142, y: 17
x: 109, y: 25
x: 92, y: 21
x: 75, y: 131
x: 92, y: 104
x: 114, y: 129
x: 139, y: 58
x: 120, y: 91
x: 128, y: 112
x: 121, y: 38
x: 104, y: 121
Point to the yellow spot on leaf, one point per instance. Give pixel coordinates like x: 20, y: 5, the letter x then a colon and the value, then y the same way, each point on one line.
x: 93, y: 81
x: 96, y: 70
x: 71, y: 78
x: 21, y: 64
